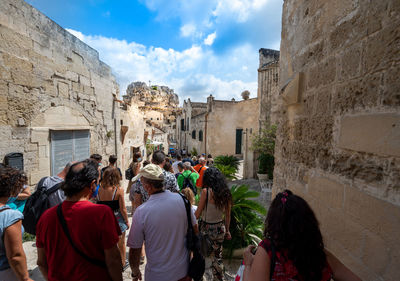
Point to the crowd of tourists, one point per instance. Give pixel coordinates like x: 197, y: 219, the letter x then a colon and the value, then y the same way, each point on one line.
x: 80, y: 221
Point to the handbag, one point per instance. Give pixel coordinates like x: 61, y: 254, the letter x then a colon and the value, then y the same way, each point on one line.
x: 94, y: 261
x: 197, y: 264
x: 206, y: 244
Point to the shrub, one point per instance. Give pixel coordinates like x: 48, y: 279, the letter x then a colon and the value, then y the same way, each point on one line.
x: 227, y: 160
x: 266, y: 165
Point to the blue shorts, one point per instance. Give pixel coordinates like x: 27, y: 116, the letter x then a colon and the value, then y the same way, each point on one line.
x: 121, y: 222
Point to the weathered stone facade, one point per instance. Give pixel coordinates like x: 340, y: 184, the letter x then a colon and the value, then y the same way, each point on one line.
x: 50, y: 81
x: 219, y: 122
x: 339, y: 130
x: 268, y: 86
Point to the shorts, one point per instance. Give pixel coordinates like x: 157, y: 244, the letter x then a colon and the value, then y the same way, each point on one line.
x: 121, y: 222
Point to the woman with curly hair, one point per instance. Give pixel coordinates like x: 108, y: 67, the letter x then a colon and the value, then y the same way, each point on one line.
x: 215, y: 211
x: 293, y: 248
x: 12, y: 256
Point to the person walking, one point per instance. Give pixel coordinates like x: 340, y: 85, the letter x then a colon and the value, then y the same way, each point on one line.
x: 292, y: 233
x: 166, y: 252
x: 12, y: 256
x: 135, y: 167
x: 111, y: 195
x: 200, y: 168
x: 188, y: 178
x: 112, y: 160
x: 175, y: 164
x: 215, y: 212
x: 91, y: 228
x: 170, y: 183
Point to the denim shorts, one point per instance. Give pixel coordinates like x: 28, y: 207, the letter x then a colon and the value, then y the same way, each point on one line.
x: 121, y: 222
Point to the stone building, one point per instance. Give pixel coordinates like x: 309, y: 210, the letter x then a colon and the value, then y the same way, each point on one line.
x: 338, y: 140
x: 220, y: 128
x: 57, y: 99
x: 268, y: 86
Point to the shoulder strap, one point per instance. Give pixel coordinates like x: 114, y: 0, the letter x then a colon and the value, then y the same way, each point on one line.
x: 40, y: 183
x: 66, y: 231
x: 115, y: 191
x: 54, y: 188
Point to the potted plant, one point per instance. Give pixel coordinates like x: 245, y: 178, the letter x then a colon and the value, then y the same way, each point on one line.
x: 246, y: 225
x: 264, y: 144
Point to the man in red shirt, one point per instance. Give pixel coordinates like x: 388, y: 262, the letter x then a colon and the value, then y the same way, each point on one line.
x: 200, y: 168
x: 93, y: 230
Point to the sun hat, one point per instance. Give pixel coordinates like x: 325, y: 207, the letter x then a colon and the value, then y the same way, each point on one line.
x: 151, y: 172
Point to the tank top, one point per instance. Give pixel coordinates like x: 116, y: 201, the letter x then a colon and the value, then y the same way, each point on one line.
x: 113, y: 204
x: 211, y: 213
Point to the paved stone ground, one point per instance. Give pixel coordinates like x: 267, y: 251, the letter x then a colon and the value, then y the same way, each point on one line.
x: 31, y: 254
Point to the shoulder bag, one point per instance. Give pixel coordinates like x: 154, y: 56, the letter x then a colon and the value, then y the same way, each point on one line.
x: 197, y: 263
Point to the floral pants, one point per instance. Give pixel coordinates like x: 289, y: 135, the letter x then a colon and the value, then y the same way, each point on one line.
x: 216, y: 233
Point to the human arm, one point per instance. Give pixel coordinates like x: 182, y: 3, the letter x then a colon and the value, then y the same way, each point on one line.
x: 134, y: 261
x: 137, y: 200
x: 25, y: 193
x: 114, y: 263
x: 340, y: 271
x: 14, y: 250
x: 228, y: 221
x: 202, y: 203
x: 122, y: 206
x: 42, y: 262
x: 257, y: 267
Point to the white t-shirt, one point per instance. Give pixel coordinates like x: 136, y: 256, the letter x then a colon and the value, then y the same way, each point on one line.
x: 175, y: 167
x: 161, y: 223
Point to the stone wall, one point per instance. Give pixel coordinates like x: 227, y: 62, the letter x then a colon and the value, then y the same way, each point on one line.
x: 339, y: 131
x: 50, y: 80
x: 268, y: 86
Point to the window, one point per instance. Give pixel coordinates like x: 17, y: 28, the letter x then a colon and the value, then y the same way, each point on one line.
x: 67, y: 146
x: 239, y: 133
x: 187, y: 124
x: 194, y: 134
x: 200, y: 135
x: 182, y: 124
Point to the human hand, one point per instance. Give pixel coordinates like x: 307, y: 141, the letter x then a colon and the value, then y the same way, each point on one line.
x: 136, y: 276
x: 228, y: 235
x: 248, y: 255
x: 127, y: 224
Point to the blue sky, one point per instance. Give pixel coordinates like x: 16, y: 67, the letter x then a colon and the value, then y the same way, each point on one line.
x: 196, y: 47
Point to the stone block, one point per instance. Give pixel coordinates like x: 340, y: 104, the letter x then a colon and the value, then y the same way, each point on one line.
x: 63, y: 90
x: 40, y: 136
x: 377, y: 133
x: 44, y: 164
x: 70, y: 75
x: 3, y: 96
x: 391, y: 92
x: 43, y: 151
x: 14, y: 43
x: 35, y: 177
x: 324, y: 73
x: 376, y: 253
x: 14, y: 63
x: 84, y: 80
x: 292, y: 92
x: 376, y: 215
x: 329, y: 191
x: 350, y: 63
x: 42, y: 50
x: 20, y: 133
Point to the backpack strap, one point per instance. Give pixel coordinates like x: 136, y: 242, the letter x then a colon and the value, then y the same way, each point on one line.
x: 40, y: 183
x: 54, y: 188
x: 60, y: 215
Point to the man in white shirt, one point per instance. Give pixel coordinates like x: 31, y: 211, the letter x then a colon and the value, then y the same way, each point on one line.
x: 175, y: 164
x: 161, y: 224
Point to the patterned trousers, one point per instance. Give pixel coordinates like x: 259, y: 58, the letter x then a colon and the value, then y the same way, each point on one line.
x: 216, y: 233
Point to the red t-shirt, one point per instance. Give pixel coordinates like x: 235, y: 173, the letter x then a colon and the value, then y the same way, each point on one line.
x: 93, y: 229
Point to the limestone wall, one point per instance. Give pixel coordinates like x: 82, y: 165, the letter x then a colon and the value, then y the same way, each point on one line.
x: 339, y: 130
x: 50, y: 80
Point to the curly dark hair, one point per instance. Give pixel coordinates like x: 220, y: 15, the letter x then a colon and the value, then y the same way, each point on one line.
x: 291, y: 224
x: 11, y: 181
x: 214, y: 179
x: 80, y: 176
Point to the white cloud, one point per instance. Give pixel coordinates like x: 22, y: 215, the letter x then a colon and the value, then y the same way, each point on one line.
x: 210, y: 39
x: 195, y: 72
x: 188, y: 30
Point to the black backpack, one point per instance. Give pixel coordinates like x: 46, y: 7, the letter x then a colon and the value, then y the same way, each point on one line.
x: 188, y: 183
x: 36, y: 204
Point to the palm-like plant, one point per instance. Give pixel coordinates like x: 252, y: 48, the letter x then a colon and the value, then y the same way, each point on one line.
x: 246, y: 219
x: 227, y: 160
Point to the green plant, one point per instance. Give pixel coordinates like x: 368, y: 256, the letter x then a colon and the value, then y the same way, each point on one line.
x: 194, y: 152
x: 109, y: 134
x: 149, y: 149
x: 266, y: 165
x: 228, y: 171
x: 227, y: 160
x: 264, y: 143
x: 28, y: 237
x: 246, y: 225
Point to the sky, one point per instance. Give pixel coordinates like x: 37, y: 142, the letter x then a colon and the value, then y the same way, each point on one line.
x: 196, y: 47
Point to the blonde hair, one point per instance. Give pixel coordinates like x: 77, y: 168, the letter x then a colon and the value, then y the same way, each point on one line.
x: 188, y: 194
